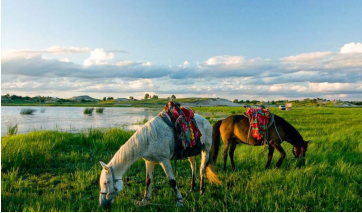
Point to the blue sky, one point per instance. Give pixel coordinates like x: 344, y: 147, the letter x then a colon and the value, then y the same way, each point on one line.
x: 263, y: 50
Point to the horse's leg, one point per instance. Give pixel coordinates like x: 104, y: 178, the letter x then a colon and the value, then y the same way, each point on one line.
x: 204, y: 158
x: 270, y: 156
x: 193, y: 172
x: 282, y: 153
x: 166, y: 165
x: 226, y: 147
x: 149, y: 176
x: 231, y: 154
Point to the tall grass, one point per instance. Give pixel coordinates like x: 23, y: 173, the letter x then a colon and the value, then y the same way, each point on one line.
x: 27, y: 111
x: 59, y: 171
x: 99, y: 110
x: 12, y: 129
x: 88, y: 111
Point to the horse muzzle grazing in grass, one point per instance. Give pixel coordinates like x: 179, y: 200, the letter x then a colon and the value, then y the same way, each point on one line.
x: 235, y: 130
x: 155, y: 143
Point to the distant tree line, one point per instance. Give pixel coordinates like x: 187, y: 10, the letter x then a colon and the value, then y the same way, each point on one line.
x: 107, y: 98
x: 40, y: 99
x: 43, y: 99
x: 305, y: 101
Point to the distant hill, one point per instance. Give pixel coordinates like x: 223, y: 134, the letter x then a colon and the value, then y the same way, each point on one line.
x: 84, y: 98
x: 121, y: 100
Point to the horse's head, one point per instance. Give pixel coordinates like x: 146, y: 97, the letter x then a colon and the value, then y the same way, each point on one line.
x: 300, y: 151
x: 110, y: 186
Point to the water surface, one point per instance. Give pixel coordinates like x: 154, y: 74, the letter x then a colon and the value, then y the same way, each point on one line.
x: 72, y: 119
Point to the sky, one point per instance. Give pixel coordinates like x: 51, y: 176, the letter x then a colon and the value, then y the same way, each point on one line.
x: 245, y: 50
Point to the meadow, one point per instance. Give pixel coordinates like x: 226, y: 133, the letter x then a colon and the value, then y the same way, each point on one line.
x: 59, y: 171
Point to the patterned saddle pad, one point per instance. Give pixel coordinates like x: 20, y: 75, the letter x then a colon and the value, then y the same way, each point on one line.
x: 259, y: 121
x: 187, y: 133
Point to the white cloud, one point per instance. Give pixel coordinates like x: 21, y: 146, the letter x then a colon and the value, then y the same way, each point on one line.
x: 316, y: 74
x: 352, y: 48
x: 226, y: 61
x: 99, y: 57
x: 60, y: 50
x: 306, y: 57
x: 327, y: 87
x: 127, y: 63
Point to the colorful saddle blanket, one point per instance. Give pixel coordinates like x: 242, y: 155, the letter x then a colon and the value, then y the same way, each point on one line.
x: 259, y: 121
x: 183, y: 117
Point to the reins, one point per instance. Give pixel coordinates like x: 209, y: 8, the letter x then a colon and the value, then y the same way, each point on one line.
x: 275, y: 124
x: 137, y: 202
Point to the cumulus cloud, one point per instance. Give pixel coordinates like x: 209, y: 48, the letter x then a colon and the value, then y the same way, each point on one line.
x: 227, y: 65
x: 99, y: 56
x: 303, y: 75
x: 42, y: 67
x: 352, y: 48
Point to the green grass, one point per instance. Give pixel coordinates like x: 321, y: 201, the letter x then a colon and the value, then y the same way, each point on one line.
x: 59, y: 171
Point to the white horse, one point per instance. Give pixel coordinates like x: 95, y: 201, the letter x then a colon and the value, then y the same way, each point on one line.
x: 155, y: 143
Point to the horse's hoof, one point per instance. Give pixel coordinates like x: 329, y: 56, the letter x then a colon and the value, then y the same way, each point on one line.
x: 202, y: 191
x: 179, y: 204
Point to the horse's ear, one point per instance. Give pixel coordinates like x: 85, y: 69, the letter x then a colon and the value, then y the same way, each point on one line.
x: 307, y: 142
x: 104, y: 165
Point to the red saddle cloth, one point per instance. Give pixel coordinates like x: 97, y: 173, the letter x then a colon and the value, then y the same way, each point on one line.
x: 259, y: 121
x: 184, y: 118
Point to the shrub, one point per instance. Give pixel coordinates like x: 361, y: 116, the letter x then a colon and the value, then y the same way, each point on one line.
x: 88, y: 111
x: 99, y: 110
x: 27, y: 111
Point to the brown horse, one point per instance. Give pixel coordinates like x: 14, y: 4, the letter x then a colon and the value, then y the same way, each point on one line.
x: 235, y: 129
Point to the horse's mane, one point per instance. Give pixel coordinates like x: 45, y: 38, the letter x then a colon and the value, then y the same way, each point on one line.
x: 138, y: 140
x: 290, y: 131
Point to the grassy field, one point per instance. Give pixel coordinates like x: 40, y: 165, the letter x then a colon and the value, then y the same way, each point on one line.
x: 57, y: 171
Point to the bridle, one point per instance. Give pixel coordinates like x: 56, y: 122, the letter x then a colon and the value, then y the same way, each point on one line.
x: 299, y: 152
x: 115, y: 190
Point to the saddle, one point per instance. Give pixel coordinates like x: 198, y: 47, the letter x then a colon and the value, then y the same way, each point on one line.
x: 260, y: 120
x: 187, y: 134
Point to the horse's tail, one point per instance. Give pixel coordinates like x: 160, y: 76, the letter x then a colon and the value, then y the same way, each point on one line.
x: 211, y: 173
x: 215, y: 140
x: 210, y: 170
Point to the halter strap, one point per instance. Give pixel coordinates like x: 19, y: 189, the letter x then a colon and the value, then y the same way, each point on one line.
x: 115, y: 190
